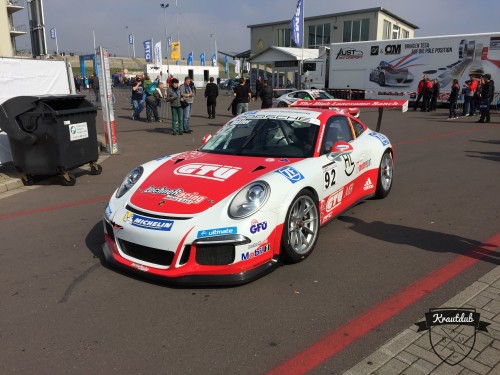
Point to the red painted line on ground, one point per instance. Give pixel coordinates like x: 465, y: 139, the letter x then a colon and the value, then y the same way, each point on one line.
x: 458, y: 132
x: 356, y: 328
x: 53, y: 208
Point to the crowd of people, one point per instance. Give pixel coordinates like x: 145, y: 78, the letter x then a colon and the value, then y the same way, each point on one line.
x: 150, y: 95
x: 477, y: 94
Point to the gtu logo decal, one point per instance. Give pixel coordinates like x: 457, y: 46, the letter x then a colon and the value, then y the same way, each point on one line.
x: 209, y: 171
x: 452, y: 332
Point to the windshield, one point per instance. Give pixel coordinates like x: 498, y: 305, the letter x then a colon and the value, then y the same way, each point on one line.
x: 264, y: 137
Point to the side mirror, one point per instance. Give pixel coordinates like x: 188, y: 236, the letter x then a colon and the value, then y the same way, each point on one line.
x: 206, y: 138
x: 340, y: 148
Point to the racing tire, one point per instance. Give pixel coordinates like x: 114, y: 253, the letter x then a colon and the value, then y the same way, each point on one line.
x: 301, y: 228
x: 385, y: 175
x: 282, y: 105
x: 381, y: 79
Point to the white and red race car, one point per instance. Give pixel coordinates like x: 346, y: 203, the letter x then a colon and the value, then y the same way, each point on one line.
x: 254, y: 195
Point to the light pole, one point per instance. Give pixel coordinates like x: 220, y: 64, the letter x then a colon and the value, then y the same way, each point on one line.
x: 164, y: 7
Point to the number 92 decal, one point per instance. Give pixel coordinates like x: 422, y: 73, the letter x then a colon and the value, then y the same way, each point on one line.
x: 329, y: 177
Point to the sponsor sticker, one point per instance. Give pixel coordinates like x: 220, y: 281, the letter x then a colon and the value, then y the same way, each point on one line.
x: 382, y: 138
x: 208, y: 171
x: 217, y: 232
x: 291, y: 174
x: 334, y: 200
x: 147, y: 222
x: 139, y: 267
x: 256, y: 227
x: 177, y: 194
x: 368, y: 184
x: 364, y: 165
x: 255, y: 253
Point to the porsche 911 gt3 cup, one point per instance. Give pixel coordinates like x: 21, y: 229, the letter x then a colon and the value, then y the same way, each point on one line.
x: 254, y: 195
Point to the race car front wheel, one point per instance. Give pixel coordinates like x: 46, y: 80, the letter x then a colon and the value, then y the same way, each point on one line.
x: 301, y: 227
x: 385, y: 175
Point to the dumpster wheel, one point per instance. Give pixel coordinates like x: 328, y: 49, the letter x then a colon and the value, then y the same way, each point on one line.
x: 27, y: 179
x: 95, y: 168
x: 68, y: 179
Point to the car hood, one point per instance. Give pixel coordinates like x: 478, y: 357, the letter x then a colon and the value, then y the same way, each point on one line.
x: 191, y: 183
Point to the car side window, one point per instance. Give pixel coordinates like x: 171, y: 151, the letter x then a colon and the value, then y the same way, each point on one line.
x: 337, y: 129
x: 358, y: 128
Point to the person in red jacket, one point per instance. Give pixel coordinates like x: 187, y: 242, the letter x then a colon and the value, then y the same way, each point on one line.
x: 428, y: 90
x: 420, y: 91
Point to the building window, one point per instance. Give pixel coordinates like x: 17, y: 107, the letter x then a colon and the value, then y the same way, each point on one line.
x: 387, y: 30
x: 395, y: 32
x: 318, y: 35
x: 405, y: 33
x: 285, y: 38
x: 356, y: 31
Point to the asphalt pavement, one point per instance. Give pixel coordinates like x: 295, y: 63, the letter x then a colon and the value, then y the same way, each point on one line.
x: 351, y: 308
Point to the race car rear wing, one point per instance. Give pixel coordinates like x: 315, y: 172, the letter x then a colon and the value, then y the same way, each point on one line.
x: 338, y: 103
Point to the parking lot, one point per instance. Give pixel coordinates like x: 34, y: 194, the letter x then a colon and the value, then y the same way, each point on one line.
x: 64, y: 311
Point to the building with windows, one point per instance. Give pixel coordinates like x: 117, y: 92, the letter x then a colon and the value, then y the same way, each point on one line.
x: 274, y: 54
x: 8, y: 30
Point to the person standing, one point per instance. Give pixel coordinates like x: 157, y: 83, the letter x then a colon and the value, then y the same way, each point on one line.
x: 487, y: 94
x: 435, y: 94
x: 420, y: 91
x: 258, y: 87
x: 137, y: 98
x: 95, y: 86
x: 211, y: 93
x: 243, y: 95
x: 266, y: 95
x: 455, y: 89
x: 426, y: 103
x: 470, y: 88
x: 187, y: 95
x: 174, y: 97
x: 229, y: 86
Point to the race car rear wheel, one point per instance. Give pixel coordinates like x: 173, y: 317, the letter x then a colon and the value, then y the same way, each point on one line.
x: 301, y: 227
x: 385, y: 175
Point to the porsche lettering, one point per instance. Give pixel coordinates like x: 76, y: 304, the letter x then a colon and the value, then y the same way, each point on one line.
x: 209, y: 171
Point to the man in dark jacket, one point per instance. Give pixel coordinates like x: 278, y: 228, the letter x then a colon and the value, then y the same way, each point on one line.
x: 266, y: 94
x: 211, y: 93
x: 487, y: 94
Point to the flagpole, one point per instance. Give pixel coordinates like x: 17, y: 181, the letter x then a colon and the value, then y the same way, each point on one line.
x: 302, y: 61
x: 57, y: 47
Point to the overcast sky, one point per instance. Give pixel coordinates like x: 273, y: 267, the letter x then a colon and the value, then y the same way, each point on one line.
x: 227, y: 20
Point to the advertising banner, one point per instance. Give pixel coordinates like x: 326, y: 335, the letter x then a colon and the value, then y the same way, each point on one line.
x: 148, y: 55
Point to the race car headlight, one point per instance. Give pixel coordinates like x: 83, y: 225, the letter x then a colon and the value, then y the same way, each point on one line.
x: 249, y: 199
x: 129, y: 181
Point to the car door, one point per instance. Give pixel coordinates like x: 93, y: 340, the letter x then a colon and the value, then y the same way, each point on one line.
x: 338, y: 174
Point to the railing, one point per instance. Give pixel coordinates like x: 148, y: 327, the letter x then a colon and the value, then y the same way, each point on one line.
x: 19, y: 29
x: 17, y: 3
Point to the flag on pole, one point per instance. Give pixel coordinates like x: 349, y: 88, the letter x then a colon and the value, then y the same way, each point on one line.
x: 158, y: 60
x: 53, y: 33
x: 214, y: 60
x: 148, y: 56
x: 130, y: 38
x: 190, y: 58
x: 226, y: 69
x: 296, y: 24
x: 202, y: 58
x: 176, y: 51
x: 169, y: 41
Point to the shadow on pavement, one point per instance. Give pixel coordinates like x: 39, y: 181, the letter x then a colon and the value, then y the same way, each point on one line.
x: 427, y: 240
